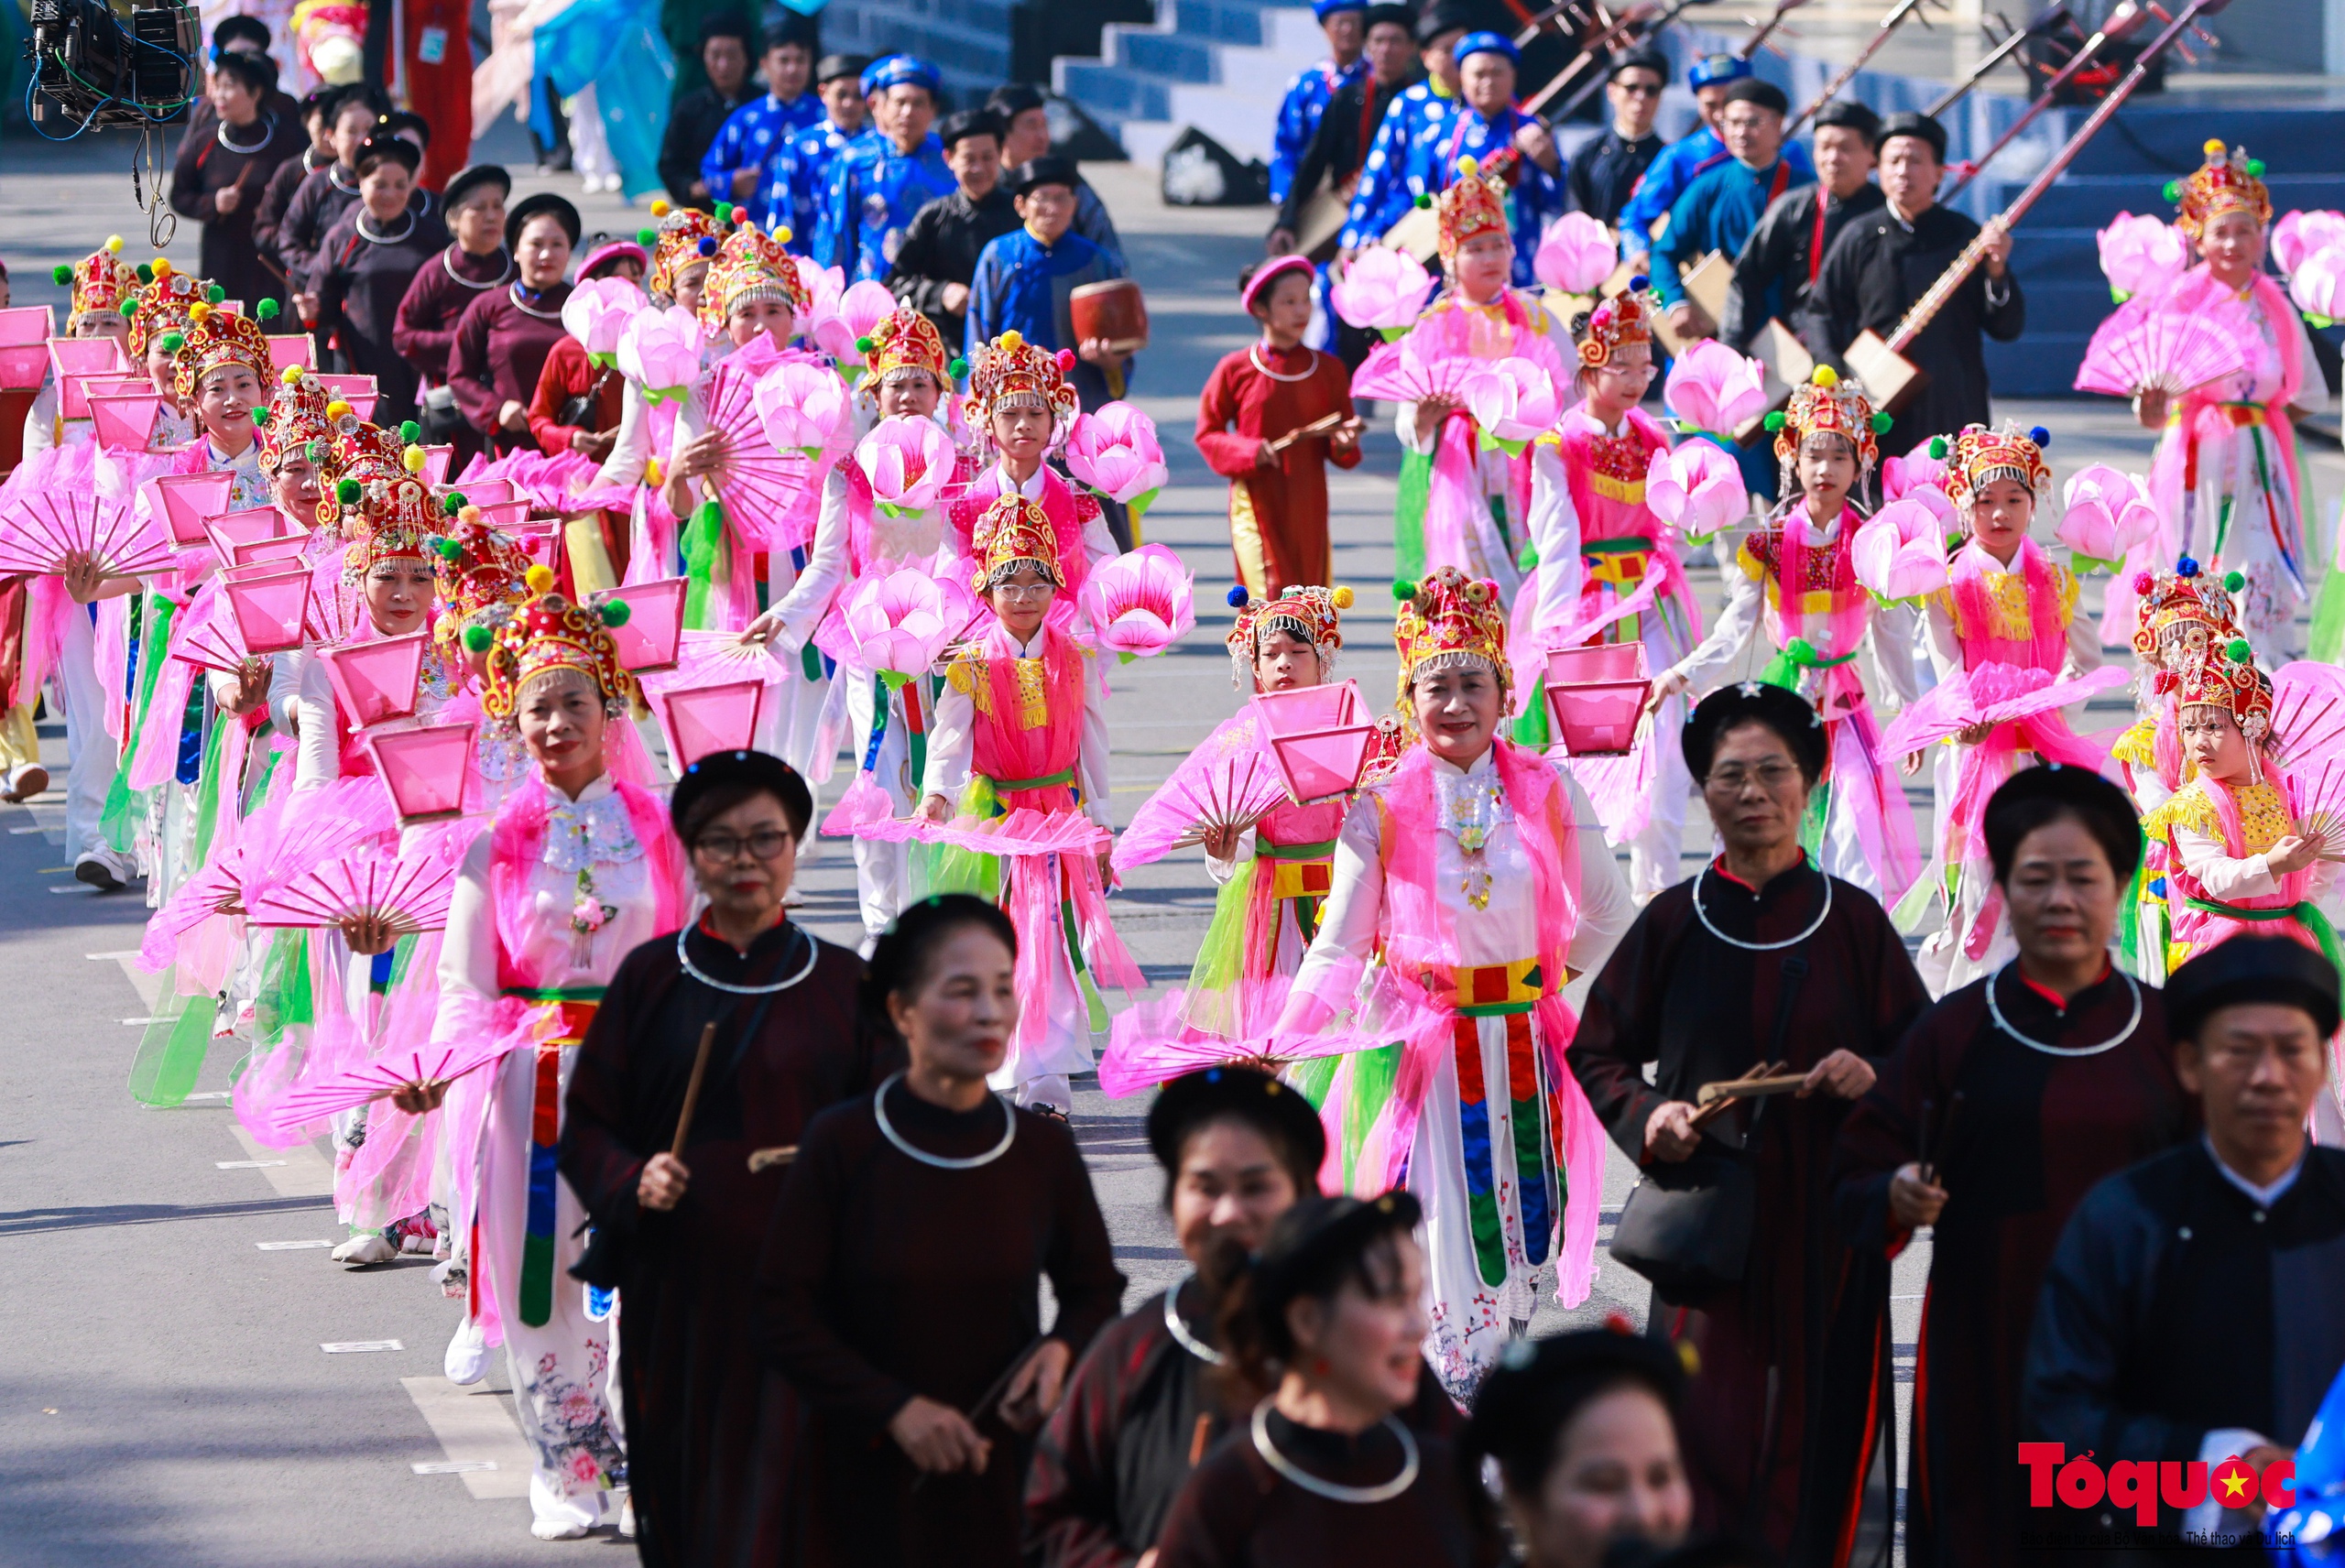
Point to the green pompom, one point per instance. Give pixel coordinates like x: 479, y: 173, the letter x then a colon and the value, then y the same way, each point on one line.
x: 1774, y: 420
x: 410, y: 432
x: 2255, y: 169
x: 647, y: 238
x: 615, y: 612
x: 347, y: 492
x: 60, y: 273
x: 724, y: 211
x: 260, y: 415
x: 450, y: 550
x: 1938, y: 446
x: 267, y: 310
x: 1880, y: 423
x: 958, y: 368
x: 315, y: 452
x: 1403, y: 590
x: 2236, y: 650
x: 1801, y: 650
x: 1423, y: 201
x: 172, y: 342
x: 451, y: 505
x: 215, y: 294
x: 2234, y: 581
x: 477, y: 637
x: 145, y: 272
x: 127, y: 310
x: 866, y: 344
x: 2173, y: 191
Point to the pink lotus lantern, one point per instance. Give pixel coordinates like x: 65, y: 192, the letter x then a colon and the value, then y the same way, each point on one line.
x: 2142, y: 255
x: 184, y: 500
x: 1382, y: 289
x: 1917, y: 474
x: 901, y: 624
x: 1696, y: 488
x: 908, y: 459
x: 126, y: 420
x: 698, y: 720
x: 229, y: 530
x: 2318, y: 286
x: 87, y: 356
x: 596, y: 313
x: 1114, y: 450
x: 1318, y: 738
x: 1141, y: 603
x: 1713, y: 389
x: 2105, y: 514
x: 1576, y: 254
x: 824, y: 285
x: 801, y: 406
x: 2300, y: 234
x: 282, y: 550
x: 424, y: 768
x: 376, y: 681
x: 840, y: 330
x: 660, y: 352
x: 1899, y: 554
x: 292, y: 348
x: 1595, y: 697
x: 654, y: 628
x: 1512, y: 402
x: 270, y: 608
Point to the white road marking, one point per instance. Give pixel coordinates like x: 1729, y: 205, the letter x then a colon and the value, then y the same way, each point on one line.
x: 452, y: 1467
x: 207, y: 1095
x: 139, y: 1021
x: 73, y: 887
x: 300, y: 1171
x: 290, y: 1246
x: 359, y: 1346
x: 475, y: 1426
x: 246, y: 1164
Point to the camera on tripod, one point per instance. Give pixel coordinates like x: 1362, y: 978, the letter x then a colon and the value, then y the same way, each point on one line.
x: 98, y: 69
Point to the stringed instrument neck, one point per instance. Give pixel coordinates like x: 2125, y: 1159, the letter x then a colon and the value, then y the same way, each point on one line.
x: 1925, y: 308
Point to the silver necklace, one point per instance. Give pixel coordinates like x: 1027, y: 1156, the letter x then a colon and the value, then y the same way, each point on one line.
x: 888, y: 1130
x: 267, y: 123
x: 333, y: 178
x: 1178, y: 1327
x: 450, y: 269
x: 1254, y: 357
x: 514, y: 294
x: 813, y: 954
x: 1709, y: 925
x: 1995, y: 1011
x: 1333, y: 1491
x: 359, y: 223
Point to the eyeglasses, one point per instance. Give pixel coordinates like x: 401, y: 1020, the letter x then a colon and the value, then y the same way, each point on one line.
x: 766, y: 844
x: 1024, y: 590
x: 1772, y: 777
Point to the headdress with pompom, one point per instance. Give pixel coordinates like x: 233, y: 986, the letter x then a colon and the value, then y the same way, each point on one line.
x: 482, y: 574
x: 2228, y: 181
x: 680, y: 237
x: 1311, y: 613
x: 1473, y: 204
x: 373, y: 477
x: 2184, y: 617
x: 1010, y: 373
x: 162, y: 301
x: 752, y: 265
x: 2228, y: 680
x: 1978, y: 456
x: 548, y: 632
x: 213, y: 339
x: 1829, y: 404
x: 100, y: 280
x: 1014, y: 532
x: 905, y: 342
x: 1450, y: 621
x: 1626, y: 318
x: 297, y: 418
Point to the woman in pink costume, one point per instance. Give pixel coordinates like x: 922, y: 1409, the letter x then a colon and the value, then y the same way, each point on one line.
x: 1858, y: 826
x: 683, y: 245
x: 2007, y: 619
x: 102, y: 284
x: 1608, y: 568
x: 1460, y: 504
x: 1022, y: 721
x: 1021, y: 405
x: 580, y: 868
x: 1480, y: 876
x: 2229, y: 489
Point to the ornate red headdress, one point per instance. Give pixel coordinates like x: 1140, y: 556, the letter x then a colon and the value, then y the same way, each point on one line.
x: 214, y: 339
x: 2185, y: 617
x: 1626, y: 318
x: 751, y: 265
x: 905, y: 342
x: 1473, y: 204
x: 297, y: 416
x: 100, y: 281
x: 1829, y: 405
x: 1448, y: 620
x: 2228, y: 680
x: 161, y: 305
x: 548, y: 632
x: 371, y: 479
x: 1979, y: 456
x: 2227, y: 182
x: 1012, y: 532
x: 1010, y: 373
x: 482, y: 573
x: 683, y: 237
x: 1310, y: 614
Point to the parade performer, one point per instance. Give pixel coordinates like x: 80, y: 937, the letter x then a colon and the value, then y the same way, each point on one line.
x: 1607, y: 569
x: 579, y: 869
x: 157, y: 313
x: 2007, y: 619
x: 223, y: 372
x: 1272, y: 391
x: 1859, y: 825
x: 2227, y: 486
x: 683, y: 242
x: 1460, y: 505
x: 1022, y: 721
x: 1485, y: 883
x: 884, y: 176
x: 1021, y: 405
x: 102, y: 282
x: 905, y: 377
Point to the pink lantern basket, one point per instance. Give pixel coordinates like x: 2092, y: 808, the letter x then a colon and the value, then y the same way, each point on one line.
x: 436, y: 462
x: 27, y: 326
x: 1318, y: 738
x: 510, y: 515
x: 699, y: 720
x: 488, y: 492
x: 87, y: 356
x: 376, y: 681
x: 270, y: 609
x: 424, y: 768
x: 292, y: 348
x: 270, y: 552
x: 185, y: 500
x: 229, y: 530
x: 126, y: 419
x: 654, y: 633
x: 1596, y: 696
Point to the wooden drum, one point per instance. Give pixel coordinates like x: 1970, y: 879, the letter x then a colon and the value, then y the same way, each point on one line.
x: 1113, y: 310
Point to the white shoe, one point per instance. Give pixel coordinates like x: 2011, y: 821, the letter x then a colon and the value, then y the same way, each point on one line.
x: 103, y: 869
x: 627, y: 1518
x: 467, y: 1357
x: 557, y: 1529
x: 25, y: 782
x: 360, y: 1251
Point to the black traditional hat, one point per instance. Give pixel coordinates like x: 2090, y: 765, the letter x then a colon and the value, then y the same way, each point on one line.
x: 2250, y: 969
x: 1252, y: 1096
x: 1785, y: 711
x: 528, y: 207
x: 761, y: 772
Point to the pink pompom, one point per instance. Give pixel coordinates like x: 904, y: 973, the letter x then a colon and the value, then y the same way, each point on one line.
x: 1066, y: 360
x: 2142, y: 583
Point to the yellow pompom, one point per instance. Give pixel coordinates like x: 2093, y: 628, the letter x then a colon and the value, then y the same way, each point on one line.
x: 337, y: 408
x: 113, y: 243
x: 199, y: 312
x: 292, y: 377
x: 412, y: 460
x: 781, y: 233
x: 1012, y: 338
x: 659, y: 208
x: 1826, y: 378
x: 468, y: 515
x: 539, y: 578
x: 162, y: 267
x: 2214, y: 148
x: 1470, y: 166
x: 1341, y: 598
x: 653, y: 471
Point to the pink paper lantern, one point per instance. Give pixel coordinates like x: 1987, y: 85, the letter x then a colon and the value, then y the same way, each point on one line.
x: 1716, y: 388
x: 1605, y: 661
x: 1696, y: 488
x: 1141, y: 602
x: 425, y: 768
x: 2104, y: 514
x: 1514, y: 400
x: 698, y: 720
x: 2142, y: 255
x: 23, y: 367
x: 27, y: 326
x: 437, y: 460
x: 1318, y: 738
x: 1576, y: 254
x: 2318, y: 286
x: 292, y: 348
x: 126, y: 420
x: 659, y: 351
x: 654, y: 629
x: 87, y: 356
x: 1899, y: 553
x: 376, y: 681
x: 278, y: 551
x: 1114, y: 449
x: 488, y: 492
x: 269, y: 609
x: 1597, y: 717
x: 506, y: 517
x: 597, y: 311
x: 229, y: 530
x: 909, y: 460
x: 801, y: 406
x: 1382, y: 289
x: 184, y: 500
x: 859, y: 308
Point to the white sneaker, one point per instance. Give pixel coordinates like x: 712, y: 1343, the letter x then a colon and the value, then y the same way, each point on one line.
x: 557, y: 1529
x: 627, y: 1518
x: 103, y: 869
x: 467, y: 1355
x: 360, y: 1251
x: 25, y: 782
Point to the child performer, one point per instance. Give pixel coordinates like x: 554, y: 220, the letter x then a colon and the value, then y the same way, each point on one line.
x: 2008, y: 603
x: 1020, y: 405
x: 1022, y: 721
x: 1859, y: 825
x: 1608, y: 570
x: 102, y: 282
x: 905, y: 377
x: 683, y: 245
x: 1270, y: 391
x: 158, y: 318
x: 1460, y: 505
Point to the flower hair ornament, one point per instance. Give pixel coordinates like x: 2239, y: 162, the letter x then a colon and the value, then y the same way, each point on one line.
x: 1624, y: 318
x: 2228, y: 181
x: 680, y: 238
x: 1308, y: 615
x: 1010, y: 373
x: 1827, y: 403
x: 2185, y: 617
x: 1014, y: 532
x: 548, y: 632
x: 1978, y: 456
x: 1450, y: 621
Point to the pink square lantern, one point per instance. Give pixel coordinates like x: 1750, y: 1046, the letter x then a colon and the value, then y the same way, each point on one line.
x: 292, y: 348
x: 75, y: 389
x: 184, y: 500
x: 509, y: 514
x: 270, y: 551
x: 376, y: 681
x: 541, y: 544
x: 1319, y: 738
x: 698, y: 720
x: 436, y: 462
x: 1596, y: 695
x: 27, y: 326
x: 126, y: 419
x: 229, y: 530
x: 425, y: 768
x: 87, y: 356
x: 488, y: 492
x: 654, y: 624
x: 269, y: 609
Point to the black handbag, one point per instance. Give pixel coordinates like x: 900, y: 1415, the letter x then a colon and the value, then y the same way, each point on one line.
x: 442, y: 419
x: 578, y: 411
x: 1686, y: 1225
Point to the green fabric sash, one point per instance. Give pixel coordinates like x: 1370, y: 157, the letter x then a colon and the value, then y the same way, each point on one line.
x: 1797, y: 654
x: 150, y: 642
x: 1047, y: 781
x: 702, y: 542
x: 1409, y: 515
x: 2308, y: 914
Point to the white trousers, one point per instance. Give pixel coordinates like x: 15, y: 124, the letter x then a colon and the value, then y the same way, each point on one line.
x: 91, y: 757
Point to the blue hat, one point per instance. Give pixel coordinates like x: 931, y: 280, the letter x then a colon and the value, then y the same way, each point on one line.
x: 900, y: 70
x: 1322, y: 9
x: 1486, y: 43
x: 1713, y: 69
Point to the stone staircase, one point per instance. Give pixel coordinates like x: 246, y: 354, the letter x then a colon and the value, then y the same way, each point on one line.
x: 1220, y: 65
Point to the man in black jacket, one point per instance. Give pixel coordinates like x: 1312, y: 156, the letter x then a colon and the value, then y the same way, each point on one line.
x: 697, y: 115
x: 1780, y: 262
x: 939, y: 253
x: 1603, y: 171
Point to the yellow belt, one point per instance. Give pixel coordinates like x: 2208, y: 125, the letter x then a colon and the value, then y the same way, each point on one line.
x: 1490, y: 990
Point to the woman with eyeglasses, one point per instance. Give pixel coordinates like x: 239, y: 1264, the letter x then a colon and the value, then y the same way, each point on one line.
x: 900, y: 1287
x: 1761, y: 966
x: 708, y: 1422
